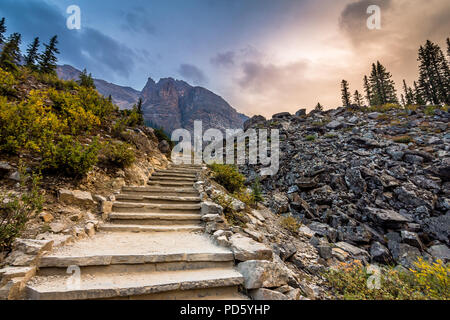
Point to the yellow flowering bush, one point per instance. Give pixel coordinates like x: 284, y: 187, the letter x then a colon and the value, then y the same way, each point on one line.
x: 427, y: 281
x: 433, y: 278
x: 7, y: 81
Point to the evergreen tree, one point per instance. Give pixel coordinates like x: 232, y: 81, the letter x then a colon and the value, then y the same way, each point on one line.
x: 318, y: 107
x: 345, y: 92
x: 10, y: 56
x: 140, y: 112
x: 357, y: 98
x: 86, y: 80
x: 418, y: 98
x: 32, y: 54
x: 402, y: 99
x: 2, y: 30
x: 408, y: 95
x: 434, y: 81
x: 368, y: 91
x: 448, y: 48
x: 382, y: 87
x: 47, y: 61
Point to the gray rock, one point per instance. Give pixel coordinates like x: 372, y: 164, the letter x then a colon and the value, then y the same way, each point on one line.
x: 164, y: 147
x: 387, y: 218
x: 412, y: 239
x: 373, y: 115
x: 15, y: 176
x: 301, y: 112
x: 440, y: 251
x: 355, y: 181
x: 245, y: 248
x: 262, y: 274
x: 266, y: 294
x: 325, y: 251
x: 76, y: 197
x: 211, y: 208
x: 334, y: 125
x: 379, y: 253
x: 356, y: 252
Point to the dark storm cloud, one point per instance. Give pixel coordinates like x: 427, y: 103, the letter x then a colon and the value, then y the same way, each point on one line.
x: 192, y: 73
x: 353, y: 19
x: 85, y: 48
x: 137, y: 21
x: 225, y: 59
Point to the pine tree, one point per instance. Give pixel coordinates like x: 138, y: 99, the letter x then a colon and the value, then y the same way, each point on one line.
x: 408, y: 95
x: 434, y: 81
x: 32, y: 54
x: 448, y: 48
x: 381, y: 85
x: 357, y: 98
x: 140, y: 112
x: 345, y: 93
x: 86, y: 80
x: 47, y: 61
x: 368, y: 91
x: 318, y: 107
x: 418, y: 98
x: 402, y: 99
x: 2, y: 30
x: 387, y: 84
x: 10, y: 56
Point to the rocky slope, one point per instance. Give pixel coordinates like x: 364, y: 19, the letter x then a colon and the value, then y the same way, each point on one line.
x: 367, y: 185
x: 175, y: 104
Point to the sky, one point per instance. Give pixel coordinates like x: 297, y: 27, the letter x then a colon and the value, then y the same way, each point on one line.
x: 262, y: 56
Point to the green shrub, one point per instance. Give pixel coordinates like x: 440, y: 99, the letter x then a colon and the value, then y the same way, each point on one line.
x: 233, y: 217
x: 16, y: 210
x: 290, y: 223
x: 402, y: 139
x: 256, y: 191
x: 228, y: 176
x: 70, y: 157
x: 310, y: 138
x: 119, y: 154
x: 425, y: 281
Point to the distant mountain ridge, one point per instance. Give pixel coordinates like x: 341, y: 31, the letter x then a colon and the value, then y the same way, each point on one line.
x: 169, y: 103
x: 124, y: 97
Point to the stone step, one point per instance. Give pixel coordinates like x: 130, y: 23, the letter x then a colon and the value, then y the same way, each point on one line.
x: 185, y: 192
x: 172, y: 184
x: 174, y: 174
x: 155, y: 261
x: 144, y: 284
x: 134, y: 207
x: 154, y: 218
x: 157, y: 199
x: 173, y: 179
x: 148, y: 228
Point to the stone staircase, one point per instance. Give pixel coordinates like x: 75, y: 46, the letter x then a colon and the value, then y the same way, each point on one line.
x: 152, y: 247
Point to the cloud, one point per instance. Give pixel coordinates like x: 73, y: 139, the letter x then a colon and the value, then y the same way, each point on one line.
x: 137, y: 21
x: 225, y: 59
x: 192, y: 73
x: 85, y: 48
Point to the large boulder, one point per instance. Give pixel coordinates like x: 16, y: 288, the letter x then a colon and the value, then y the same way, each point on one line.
x: 76, y: 197
x: 266, y: 294
x: 356, y: 252
x: 262, y: 274
x: 386, y: 218
x: 211, y: 208
x: 254, y: 121
x: 301, y: 112
x: 245, y: 248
